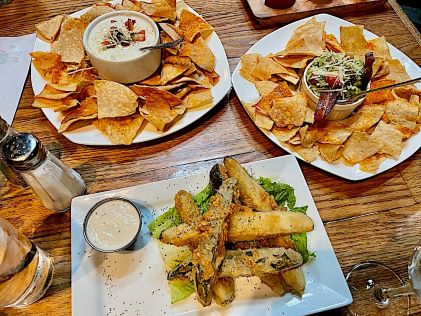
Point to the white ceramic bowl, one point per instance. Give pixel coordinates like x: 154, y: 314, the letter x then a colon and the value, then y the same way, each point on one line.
x: 339, y: 111
x: 126, y: 71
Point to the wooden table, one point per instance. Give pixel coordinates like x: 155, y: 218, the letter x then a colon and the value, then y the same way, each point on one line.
x: 376, y: 219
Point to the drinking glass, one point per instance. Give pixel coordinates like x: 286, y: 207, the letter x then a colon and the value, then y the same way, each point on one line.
x: 26, y: 270
x: 378, y: 290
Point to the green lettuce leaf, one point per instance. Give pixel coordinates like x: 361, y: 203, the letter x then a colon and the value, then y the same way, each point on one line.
x: 300, y: 245
x: 202, y: 199
x: 180, y: 289
x: 164, y: 221
x: 284, y: 194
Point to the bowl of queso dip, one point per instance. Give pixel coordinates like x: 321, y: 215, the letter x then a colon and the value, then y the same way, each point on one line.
x: 112, y: 225
x: 113, y: 41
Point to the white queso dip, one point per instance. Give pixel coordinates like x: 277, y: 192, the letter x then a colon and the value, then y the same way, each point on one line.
x: 112, y: 225
x: 118, y: 38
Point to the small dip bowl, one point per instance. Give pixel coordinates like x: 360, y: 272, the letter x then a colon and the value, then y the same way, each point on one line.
x: 112, y: 224
x: 122, y: 64
x: 339, y: 111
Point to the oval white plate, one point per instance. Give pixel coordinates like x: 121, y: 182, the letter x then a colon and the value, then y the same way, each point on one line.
x: 275, y: 42
x: 89, y: 135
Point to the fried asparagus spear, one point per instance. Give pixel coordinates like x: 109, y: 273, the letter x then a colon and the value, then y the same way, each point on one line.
x: 251, y: 193
x: 245, y: 226
x: 210, y: 251
x: 186, y: 207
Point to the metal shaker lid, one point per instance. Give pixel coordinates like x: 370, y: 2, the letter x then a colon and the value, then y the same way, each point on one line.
x: 24, y: 151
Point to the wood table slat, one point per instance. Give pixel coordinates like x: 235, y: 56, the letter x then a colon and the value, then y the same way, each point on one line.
x: 377, y: 219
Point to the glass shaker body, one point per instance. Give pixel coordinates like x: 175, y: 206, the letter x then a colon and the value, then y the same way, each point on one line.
x: 25, y: 270
x: 11, y: 174
x: 53, y: 182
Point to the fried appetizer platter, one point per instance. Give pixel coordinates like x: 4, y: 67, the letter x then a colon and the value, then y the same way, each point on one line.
x: 235, y: 227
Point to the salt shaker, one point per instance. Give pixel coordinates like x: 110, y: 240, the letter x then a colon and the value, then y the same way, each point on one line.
x: 11, y: 174
x: 52, y: 181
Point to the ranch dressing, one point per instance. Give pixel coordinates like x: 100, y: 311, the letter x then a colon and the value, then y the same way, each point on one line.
x: 115, y: 40
x: 113, y: 225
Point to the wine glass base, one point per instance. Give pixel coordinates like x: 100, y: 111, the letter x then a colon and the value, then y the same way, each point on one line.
x: 363, y: 279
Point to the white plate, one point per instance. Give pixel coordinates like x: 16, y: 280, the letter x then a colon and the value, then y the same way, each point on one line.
x: 89, y: 135
x: 135, y: 282
x: 275, y: 42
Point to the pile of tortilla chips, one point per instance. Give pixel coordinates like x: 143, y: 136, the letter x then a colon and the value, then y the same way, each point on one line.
x: 73, y: 87
x: 376, y: 131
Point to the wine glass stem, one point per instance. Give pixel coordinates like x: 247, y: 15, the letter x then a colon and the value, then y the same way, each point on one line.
x: 384, y: 294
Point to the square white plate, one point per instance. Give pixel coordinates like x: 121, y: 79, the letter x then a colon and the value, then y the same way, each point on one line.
x: 135, y: 282
x: 89, y: 135
x: 275, y: 42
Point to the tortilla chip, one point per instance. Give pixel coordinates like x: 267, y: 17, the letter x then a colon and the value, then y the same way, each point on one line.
x: 114, y: 99
x: 173, y: 32
x: 120, y: 131
x: 131, y: 5
x: 336, y: 136
x: 402, y: 113
x: 284, y: 134
x: 96, y: 11
x: 265, y: 87
x: 46, y: 62
x: 371, y: 164
x: 173, y: 67
x: 198, y: 98
x: 70, y: 23
x: 165, y: 38
x: 160, y: 10
x: 69, y: 46
x: 332, y: 44
x: 251, y: 109
x: 308, y: 136
x: 406, y: 92
x: 211, y: 77
x: 152, y: 81
x: 397, y: 71
x: 379, y: 96
x: 380, y: 69
x: 281, y: 91
x: 266, y: 67
x: 262, y: 120
x: 309, y: 116
x: 294, y: 61
x: 390, y: 138
x: 248, y: 62
x: 308, y: 154
x: 56, y: 105
x: 49, y: 29
x: 379, y: 47
x: 53, y: 94
x: 289, y: 110
x: 352, y: 39
x: 307, y: 39
x: 329, y: 152
x: 367, y: 117
x: 88, y: 109
x: 160, y: 108
x: 360, y: 146
x: 192, y: 25
x: 200, y: 53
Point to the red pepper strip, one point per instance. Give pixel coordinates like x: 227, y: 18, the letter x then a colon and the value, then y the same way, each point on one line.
x: 325, y: 105
x: 130, y: 24
x: 368, y: 69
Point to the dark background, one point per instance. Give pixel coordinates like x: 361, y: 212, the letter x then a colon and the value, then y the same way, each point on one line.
x: 412, y: 9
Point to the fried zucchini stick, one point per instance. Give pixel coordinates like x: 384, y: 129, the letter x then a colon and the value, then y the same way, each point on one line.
x: 245, y: 226
x: 251, y: 193
x: 250, y: 262
x: 186, y: 207
x: 210, y: 251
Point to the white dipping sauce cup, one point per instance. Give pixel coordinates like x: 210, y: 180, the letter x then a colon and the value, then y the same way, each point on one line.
x: 125, y: 71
